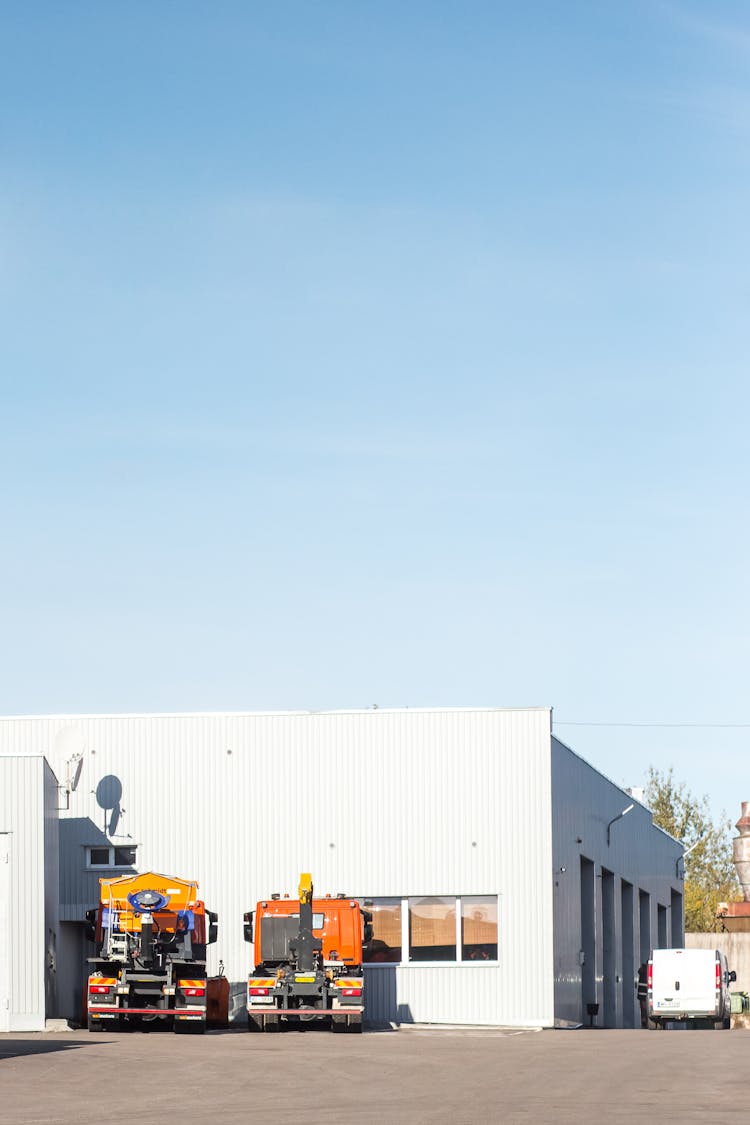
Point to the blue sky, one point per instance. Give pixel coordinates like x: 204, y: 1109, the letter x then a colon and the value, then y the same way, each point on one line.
x: 363, y: 353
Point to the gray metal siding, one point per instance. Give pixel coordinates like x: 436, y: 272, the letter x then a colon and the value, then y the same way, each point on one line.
x: 51, y: 887
x: 375, y: 803
x: 583, y: 802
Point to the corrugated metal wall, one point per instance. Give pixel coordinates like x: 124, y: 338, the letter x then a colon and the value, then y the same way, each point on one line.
x: 51, y: 887
x: 374, y: 803
x: 23, y: 799
x: 641, y: 859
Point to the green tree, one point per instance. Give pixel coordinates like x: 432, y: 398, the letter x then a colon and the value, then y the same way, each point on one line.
x: 710, y: 877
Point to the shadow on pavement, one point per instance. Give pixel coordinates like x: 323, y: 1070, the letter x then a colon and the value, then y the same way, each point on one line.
x: 14, y: 1048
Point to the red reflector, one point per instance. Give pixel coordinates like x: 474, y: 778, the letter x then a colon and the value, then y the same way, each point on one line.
x: 259, y: 991
x: 650, y: 976
x: 718, y: 975
x: 98, y: 988
x: 194, y: 991
x: 351, y: 991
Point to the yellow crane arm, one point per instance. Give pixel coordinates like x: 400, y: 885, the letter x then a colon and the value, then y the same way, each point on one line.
x: 305, y: 888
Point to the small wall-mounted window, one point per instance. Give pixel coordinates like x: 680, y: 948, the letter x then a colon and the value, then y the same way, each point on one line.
x: 386, y: 930
x: 458, y: 929
x: 432, y: 929
x: 479, y: 928
x: 97, y: 856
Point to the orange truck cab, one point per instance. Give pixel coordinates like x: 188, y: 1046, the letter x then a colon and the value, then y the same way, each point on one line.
x: 150, y: 933
x: 307, y: 960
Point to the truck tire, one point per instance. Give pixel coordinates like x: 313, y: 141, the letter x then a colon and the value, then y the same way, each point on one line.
x: 272, y: 1024
x: 355, y: 1027
x: 94, y: 1025
x: 338, y: 1027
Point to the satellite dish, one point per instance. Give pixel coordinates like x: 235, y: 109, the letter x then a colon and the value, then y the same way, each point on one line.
x: 69, y: 742
x: 76, y: 775
x: 69, y: 748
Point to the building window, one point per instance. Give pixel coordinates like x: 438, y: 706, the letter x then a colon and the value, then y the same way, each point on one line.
x: 386, y: 930
x: 479, y: 928
x: 432, y: 929
x: 101, y: 856
x: 438, y: 928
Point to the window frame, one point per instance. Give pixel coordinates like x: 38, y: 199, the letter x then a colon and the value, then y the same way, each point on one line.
x: 459, y: 962
x: 113, y: 849
x: 456, y: 928
x: 391, y: 900
x: 460, y: 899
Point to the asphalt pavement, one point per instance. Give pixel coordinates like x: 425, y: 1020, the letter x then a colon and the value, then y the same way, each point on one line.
x: 378, y: 1078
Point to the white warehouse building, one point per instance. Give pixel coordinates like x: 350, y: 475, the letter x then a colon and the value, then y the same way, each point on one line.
x: 29, y: 922
x: 506, y: 886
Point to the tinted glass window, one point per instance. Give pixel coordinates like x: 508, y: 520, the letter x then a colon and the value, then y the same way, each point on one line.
x: 432, y: 929
x: 386, y: 930
x: 479, y: 928
x: 124, y: 857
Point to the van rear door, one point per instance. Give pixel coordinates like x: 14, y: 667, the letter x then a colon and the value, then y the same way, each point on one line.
x: 684, y: 982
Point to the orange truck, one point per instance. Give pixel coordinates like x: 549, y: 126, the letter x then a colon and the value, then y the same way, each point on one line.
x: 151, y: 932
x: 307, y: 961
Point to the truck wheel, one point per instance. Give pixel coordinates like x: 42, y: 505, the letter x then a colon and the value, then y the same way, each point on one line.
x: 272, y: 1024
x: 355, y: 1027
x: 255, y: 1023
x: 338, y: 1027
x: 94, y: 1025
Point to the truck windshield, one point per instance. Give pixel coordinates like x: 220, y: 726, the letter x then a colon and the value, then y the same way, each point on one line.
x: 318, y: 919
x: 278, y: 930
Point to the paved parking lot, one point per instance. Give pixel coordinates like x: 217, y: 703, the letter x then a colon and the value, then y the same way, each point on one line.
x: 397, y: 1077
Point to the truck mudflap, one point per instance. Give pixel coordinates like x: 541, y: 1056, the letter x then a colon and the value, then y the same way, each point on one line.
x: 189, y: 1016
x: 186, y: 1021
x: 152, y: 1013
x: 320, y: 1013
x: 351, y: 1022
x: 274, y: 1019
x: 111, y: 1004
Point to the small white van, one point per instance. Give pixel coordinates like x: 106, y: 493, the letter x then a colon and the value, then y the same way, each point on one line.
x: 688, y: 986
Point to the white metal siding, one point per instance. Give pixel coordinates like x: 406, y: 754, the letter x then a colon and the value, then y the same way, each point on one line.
x: 22, y: 806
x: 5, y: 950
x: 377, y: 803
x: 453, y: 994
